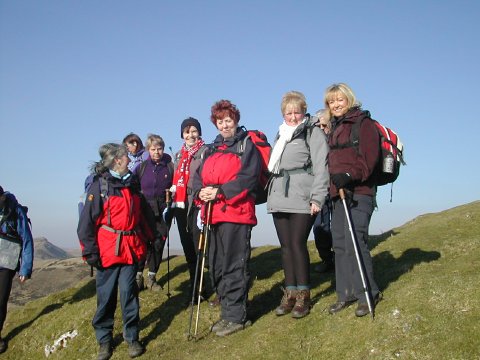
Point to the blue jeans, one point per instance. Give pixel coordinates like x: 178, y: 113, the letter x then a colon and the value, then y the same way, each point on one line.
x: 108, y: 282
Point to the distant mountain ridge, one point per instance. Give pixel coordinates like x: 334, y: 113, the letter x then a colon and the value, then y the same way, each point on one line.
x: 45, y: 250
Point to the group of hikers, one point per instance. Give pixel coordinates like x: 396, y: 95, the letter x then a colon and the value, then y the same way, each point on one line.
x: 134, y: 193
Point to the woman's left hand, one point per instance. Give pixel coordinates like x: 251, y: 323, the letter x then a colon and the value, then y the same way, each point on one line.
x: 22, y: 278
x: 208, y: 193
x: 314, y: 209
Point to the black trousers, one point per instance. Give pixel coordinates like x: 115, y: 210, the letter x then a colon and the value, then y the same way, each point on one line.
x: 6, y: 278
x: 322, y: 233
x: 155, y: 251
x: 189, y: 235
x: 292, y: 231
x: 347, y: 275
x: 229, y: 257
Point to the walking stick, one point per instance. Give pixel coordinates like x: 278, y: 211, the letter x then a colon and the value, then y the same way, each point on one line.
x: 169, y: 203
x: 357, y: 254
x: 202, y: 248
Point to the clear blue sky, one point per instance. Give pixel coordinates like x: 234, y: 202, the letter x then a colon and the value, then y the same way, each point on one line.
x: 77, y: 74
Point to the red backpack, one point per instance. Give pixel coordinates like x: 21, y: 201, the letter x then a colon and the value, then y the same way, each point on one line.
x: 391, y: 152
x: 260, y: 141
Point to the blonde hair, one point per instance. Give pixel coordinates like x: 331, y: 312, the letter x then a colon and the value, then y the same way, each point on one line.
x: 154, y: 139
x: 343, y: 89
x: 295, y: 98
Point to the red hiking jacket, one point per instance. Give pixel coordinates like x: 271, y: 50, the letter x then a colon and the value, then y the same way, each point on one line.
x: 116, y: 227
x: 235, y: 176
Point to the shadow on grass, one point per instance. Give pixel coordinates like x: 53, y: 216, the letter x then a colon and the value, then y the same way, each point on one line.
x: 85, y: 292
x: 389, y: 269
x: 161, y: 317
x: 375, y: 240
x: 264, y: 265
x: 48, y: 309
x: 178, y: 269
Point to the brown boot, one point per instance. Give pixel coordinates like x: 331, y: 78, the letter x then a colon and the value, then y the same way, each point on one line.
x: 302, y: 305
x: 287, y: 303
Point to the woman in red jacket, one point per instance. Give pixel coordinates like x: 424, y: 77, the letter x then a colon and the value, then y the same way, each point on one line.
x: 228, y: 179
x: 113, y: 233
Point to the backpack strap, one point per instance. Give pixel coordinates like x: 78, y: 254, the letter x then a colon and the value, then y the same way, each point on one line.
x: 141, y: 170
x: 105, y: 197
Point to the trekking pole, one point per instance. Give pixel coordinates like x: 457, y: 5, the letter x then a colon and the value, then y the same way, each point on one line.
x: 206, y: 232
x: 200, y: 250
x: 169, y: 203
x: 357, y: 254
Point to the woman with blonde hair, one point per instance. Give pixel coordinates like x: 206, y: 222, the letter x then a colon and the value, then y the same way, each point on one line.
x: 351, y: 169
x: 296, y: 194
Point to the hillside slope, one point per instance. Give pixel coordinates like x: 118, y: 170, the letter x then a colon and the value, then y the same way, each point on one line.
x: 428, y: 270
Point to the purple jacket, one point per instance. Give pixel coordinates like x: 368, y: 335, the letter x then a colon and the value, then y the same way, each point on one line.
x: 154, y: 180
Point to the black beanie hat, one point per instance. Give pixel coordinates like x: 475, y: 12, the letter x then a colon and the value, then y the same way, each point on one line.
x: 190, y: 122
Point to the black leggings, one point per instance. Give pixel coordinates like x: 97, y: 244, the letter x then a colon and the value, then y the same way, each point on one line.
x: 6, y: 278
x: 292, y: 232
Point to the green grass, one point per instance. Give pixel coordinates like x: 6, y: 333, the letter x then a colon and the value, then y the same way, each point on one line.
x: 428, y: 270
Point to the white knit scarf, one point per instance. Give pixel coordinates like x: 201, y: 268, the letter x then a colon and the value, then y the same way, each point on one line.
x: 285, y: 135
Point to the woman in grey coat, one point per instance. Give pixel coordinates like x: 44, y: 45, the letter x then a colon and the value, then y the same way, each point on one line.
x: 297, y: 192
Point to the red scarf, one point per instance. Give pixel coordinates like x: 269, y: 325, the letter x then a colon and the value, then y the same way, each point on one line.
x: 182, y: 174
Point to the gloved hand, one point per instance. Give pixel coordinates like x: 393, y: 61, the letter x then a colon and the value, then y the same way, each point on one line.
x: 94, y: 260
x: 165, y: 214
x: 341, y: 180
x: 199, y: 220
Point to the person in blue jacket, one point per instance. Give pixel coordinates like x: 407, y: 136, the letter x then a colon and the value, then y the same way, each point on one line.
x: 16, y: 250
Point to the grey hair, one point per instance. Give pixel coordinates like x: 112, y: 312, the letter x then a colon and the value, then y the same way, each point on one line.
x: 108, y: 153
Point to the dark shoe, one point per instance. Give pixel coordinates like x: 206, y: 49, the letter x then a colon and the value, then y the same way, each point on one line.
x: 324, y: 266
x: 302, y: 304
x: 105, y: 351
x: 215, y: 302
x: 362, y: 308
x: 152, y: 284
x: 232, y: 327
x: 3, y: 346
x: 339, y: 306
x: 135, y: 348
x: 220, y: 324
x: 287, y: 303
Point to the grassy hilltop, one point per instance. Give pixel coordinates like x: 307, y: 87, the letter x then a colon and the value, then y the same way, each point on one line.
x: 428, y: 270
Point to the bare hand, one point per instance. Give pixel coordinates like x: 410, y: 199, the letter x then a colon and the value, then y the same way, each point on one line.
x: 208, y: 193
x: 314, y: 209
x: 22, y: 278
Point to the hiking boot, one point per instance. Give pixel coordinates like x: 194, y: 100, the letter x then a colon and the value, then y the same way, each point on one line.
x: 3, y: 345
x: 302, y: 304
x: 135, y: 348
x: 220, y: 324
x: 215, y: 302
x: 339, y: 306
x: 105, y: 351
x: 139, y: 281
x: 362, y: 308
x: 232, y: 327
x: 152, y: 284
x: 324, y: 267
x: 287, y: 303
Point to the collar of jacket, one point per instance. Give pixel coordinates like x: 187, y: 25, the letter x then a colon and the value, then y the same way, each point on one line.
x: 239, y: 136
x: 352, y: 115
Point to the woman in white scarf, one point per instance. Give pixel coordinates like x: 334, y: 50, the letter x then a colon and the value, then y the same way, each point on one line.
x: 296, y: 193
